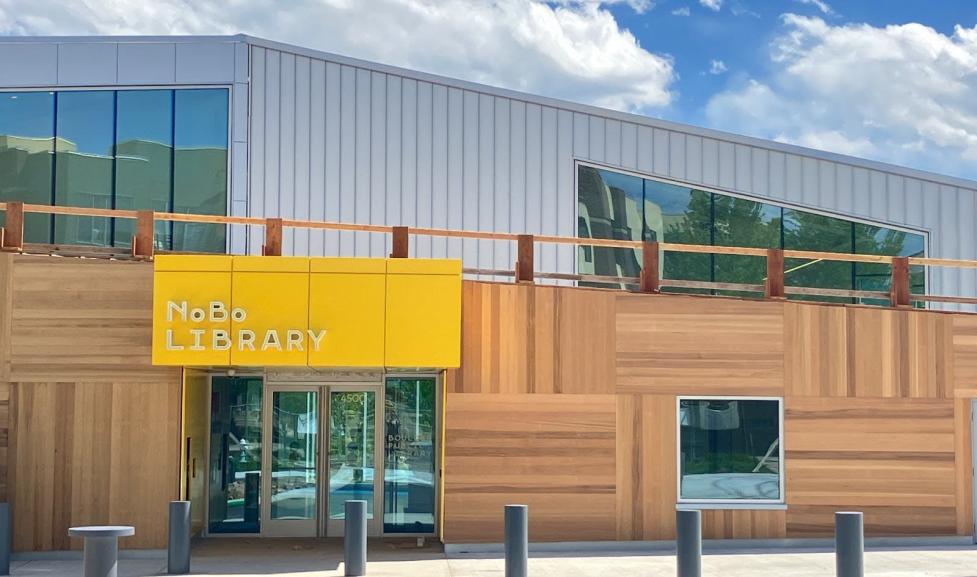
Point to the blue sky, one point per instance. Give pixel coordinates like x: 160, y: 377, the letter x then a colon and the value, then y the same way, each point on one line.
x: 739, y: 35
x: 889, y: 80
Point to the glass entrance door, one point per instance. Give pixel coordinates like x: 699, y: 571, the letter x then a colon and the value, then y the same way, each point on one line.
x: 353, y: 467
x: 292, y: 461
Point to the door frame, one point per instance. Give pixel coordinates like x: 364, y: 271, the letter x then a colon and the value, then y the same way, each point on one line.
x: 374, y: 527
x: 287, y: 527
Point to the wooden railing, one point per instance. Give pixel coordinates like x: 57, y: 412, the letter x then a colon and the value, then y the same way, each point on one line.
x: 650, y: 281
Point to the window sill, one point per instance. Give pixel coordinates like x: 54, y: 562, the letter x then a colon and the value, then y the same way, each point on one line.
x: 732, y: 505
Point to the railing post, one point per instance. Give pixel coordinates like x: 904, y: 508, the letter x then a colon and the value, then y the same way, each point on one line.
x: 524, y: 258
x: 13, y: 235
x: 774, y: 287
x: 899, y: 295
x: 400, y: 242
x: 516, y: 540
x: 142, y: 242
x: 650, y: 267
x: 273, y: 237
x: 688, y: 543
x: 849, y: 544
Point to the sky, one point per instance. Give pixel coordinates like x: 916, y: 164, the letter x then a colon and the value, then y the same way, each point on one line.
x: 892, y: 80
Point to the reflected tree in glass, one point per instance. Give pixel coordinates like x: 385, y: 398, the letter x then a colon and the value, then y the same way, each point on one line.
x: 294, y: 446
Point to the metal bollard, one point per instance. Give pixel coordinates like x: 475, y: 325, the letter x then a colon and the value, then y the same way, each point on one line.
x: 178, y: 552
x: 5, y: 538
x: 101, y: 557
x: 516, y: 541
x: 354, y: 541
x: 688, y: 543
x: 849, y: 544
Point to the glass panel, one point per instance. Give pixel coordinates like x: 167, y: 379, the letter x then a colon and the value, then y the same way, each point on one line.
x: 682, y: 215
x: 730, y: 450
x: 808, y: 231
x: 84, y: 161
x: 143, y: 165
x: 610, y: 206
x: 885, y: 241
x: 408, y: 479
x: 295, y: 432
x: 352, y: 450
x: 27, y: 156
x: 235, y: 455
x: 741, y: 222
x: 200, y: 167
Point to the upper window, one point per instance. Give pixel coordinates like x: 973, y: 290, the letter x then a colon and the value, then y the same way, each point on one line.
x: 730, y: 449
x: 162, y: 150
x: 612, y: 204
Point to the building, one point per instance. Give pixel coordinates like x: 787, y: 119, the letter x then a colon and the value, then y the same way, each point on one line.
x: 603, y: 410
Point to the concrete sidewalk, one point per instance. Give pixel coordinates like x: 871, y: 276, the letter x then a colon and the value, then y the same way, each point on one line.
x: 316, y: 558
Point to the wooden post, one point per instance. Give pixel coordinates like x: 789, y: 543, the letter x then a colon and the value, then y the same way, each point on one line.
x: 273, y: 237
x: 142, y: 242
x: 899, y: 292
x: 13, y: 237
x: 524, y: 258
x: 650, y: 267
x: 774, y: 288
x: 400, y: 242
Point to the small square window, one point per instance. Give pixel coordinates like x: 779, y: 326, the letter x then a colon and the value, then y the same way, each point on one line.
x: 730, y: 450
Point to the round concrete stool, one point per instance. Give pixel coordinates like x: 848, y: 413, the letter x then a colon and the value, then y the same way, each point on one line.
x: 102, y: 548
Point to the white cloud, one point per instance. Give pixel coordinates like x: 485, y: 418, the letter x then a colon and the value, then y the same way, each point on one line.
x: 571, y: 49
x: 900, y: 93
x: 714, y: 5
x: 717, y: 67
x: 821, y: 5
x: 681, y: 11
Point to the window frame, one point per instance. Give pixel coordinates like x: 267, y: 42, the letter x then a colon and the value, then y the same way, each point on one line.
x: 729, y: 503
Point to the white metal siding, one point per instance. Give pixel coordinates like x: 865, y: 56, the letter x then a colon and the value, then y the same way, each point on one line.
x: 390, y: 148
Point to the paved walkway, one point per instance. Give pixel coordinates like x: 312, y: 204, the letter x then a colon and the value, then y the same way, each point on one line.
x: 254, y: 558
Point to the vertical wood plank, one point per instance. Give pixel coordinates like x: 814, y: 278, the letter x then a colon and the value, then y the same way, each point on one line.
x: 650, y: 268
x: 400, y: 242
x: 629, y: 468
x: 658, y: 466
x: 774, y: 285
x: 273, y: 237
x: 899, y: 288
x: 524, y: 261
x: 963, y: 449
x: 13, y: 231
x: 142, y: 242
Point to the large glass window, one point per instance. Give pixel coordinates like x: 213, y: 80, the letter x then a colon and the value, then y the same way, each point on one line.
x: 85, y: 159
x: 680, y: 214
x: 235, y: 455
x: 200, y: 167
x: 27, y: 156
x: 730, y: 450
x: 409, y: 457
x: 143, y: 158
x: 164, y: 150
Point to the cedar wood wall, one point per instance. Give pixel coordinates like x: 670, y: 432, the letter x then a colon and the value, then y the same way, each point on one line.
x: 565, y: 401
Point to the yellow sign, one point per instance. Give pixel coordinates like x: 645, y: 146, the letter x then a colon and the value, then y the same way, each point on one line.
x: 295, y: 311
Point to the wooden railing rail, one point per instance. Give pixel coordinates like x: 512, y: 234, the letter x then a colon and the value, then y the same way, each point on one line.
x: 650, y: 281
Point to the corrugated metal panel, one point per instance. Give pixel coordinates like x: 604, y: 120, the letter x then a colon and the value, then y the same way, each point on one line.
x: 402, y: 149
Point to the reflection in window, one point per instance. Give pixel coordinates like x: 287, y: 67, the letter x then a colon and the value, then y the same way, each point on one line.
x: 235, y: 455
x: 27, y: 156
x: 408, y: 480
x: 680, y: 214
x: 294, y: 447
x: 200, y: 167
x: 730, y: 449
x: 143, y: 168
x: 108, y: 149
x: 610, y: 206
x: 85, y: 156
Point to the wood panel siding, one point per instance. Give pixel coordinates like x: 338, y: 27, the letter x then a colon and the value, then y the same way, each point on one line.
x: 93, y: 454
x: 82, y: 320
x: 892, y: 458
x: 837, y: 351
x: 525, y: 339
x: 556, y: 454
x: 699, y: 345
x: 964, y: 355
